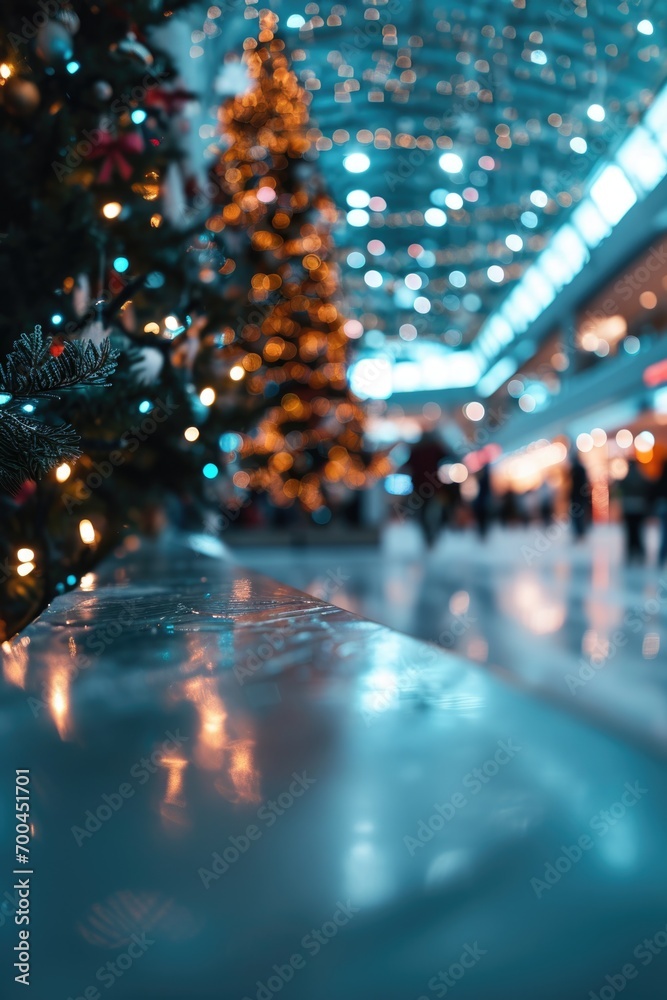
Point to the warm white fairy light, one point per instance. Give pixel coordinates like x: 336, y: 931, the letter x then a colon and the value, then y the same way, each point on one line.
x: 87, y: 531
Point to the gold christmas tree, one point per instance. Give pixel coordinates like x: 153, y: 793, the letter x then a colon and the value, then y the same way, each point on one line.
x: 287, y: 334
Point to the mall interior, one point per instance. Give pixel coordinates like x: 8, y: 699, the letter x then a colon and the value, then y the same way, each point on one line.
x: 389, y: 718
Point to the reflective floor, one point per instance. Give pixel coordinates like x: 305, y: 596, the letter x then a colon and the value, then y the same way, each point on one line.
x: 239, y: 792
x: 569, y: 620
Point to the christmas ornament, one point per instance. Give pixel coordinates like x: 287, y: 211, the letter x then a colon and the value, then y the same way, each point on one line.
x: 81, y: 295
x: 131, y: 47
x: 57, y: 347
x: 113, y: 151
x: 21, y: 97
x: 147, y: 365
x: 54, y: 43
x: 102, y: 90
x: 69, y: 18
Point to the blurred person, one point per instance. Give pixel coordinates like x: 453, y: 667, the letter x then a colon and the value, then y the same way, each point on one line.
x: 546, y: 502
x: 481, y: 505
x: 509, y: 508
x: 428, y: 499
x: 661, y: 511
x: 634, y: 507
x: 580, y: 497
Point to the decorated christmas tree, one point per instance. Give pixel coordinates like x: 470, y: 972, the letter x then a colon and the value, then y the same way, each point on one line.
x: 163, y: 368
x: 284, y: 362
x: 101, y: 251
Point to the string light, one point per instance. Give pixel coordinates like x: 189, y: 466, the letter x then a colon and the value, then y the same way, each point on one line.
x: 87, y: 531
x: 207, y: 396
x: 63, y: 472
x: 25, y: 555
x: 112, y: 209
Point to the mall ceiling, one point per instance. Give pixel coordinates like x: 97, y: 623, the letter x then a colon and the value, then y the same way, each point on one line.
x: 480, y: 122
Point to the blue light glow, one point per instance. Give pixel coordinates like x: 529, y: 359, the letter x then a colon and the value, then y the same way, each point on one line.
x: 210, y: 470
x: 529, y: 219
x: 28, y: 408
x: 56, y: 319
x: 399, y: 484
x: 145, y: 406
x: 229, y: 441
x: 73, y: 66
x: 121, y: 264
x: 138, y: 116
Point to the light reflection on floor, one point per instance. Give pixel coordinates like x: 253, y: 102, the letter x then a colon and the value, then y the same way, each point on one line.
x: 568, y: 619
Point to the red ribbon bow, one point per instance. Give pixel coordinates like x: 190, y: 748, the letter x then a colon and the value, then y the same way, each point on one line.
x: 112, y: 151
x: 169, y: 101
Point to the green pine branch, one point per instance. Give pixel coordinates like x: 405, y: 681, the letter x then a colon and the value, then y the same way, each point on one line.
x: 29, y: 448
x: 30, y: 370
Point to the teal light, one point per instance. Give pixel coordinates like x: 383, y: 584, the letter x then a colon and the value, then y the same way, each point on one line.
x: 5, y: 397
x: 28, y: 408
x: 56, y: 319
x: 145, y: 406
x: 210, y: 470
x: 121, y: 264
x: 73, y: 66
x: 229, y: 441
x: 138, y: 116
x: 71, y: 580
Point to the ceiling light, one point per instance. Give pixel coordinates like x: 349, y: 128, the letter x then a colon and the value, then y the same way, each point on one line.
x: 358, y: 217
x: 435, y: 217
x: 373, y: 279
x: 358, y: 198
x: 356, y: 163
x: 451, y: 163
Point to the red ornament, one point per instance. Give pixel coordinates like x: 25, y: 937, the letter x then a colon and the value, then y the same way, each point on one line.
x: 56, y: 349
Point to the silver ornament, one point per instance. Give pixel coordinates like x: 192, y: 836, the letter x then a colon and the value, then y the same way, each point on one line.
x: 54, y: 42
x: 69, y: 19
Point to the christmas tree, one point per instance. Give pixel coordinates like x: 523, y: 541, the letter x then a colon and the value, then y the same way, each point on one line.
x: 284, y: 363
x: 231, y: 374
x: 96, y: 250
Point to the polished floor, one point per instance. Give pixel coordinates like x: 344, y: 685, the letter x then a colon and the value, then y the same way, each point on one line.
x: 238, y: 791
x: 568, y: 620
